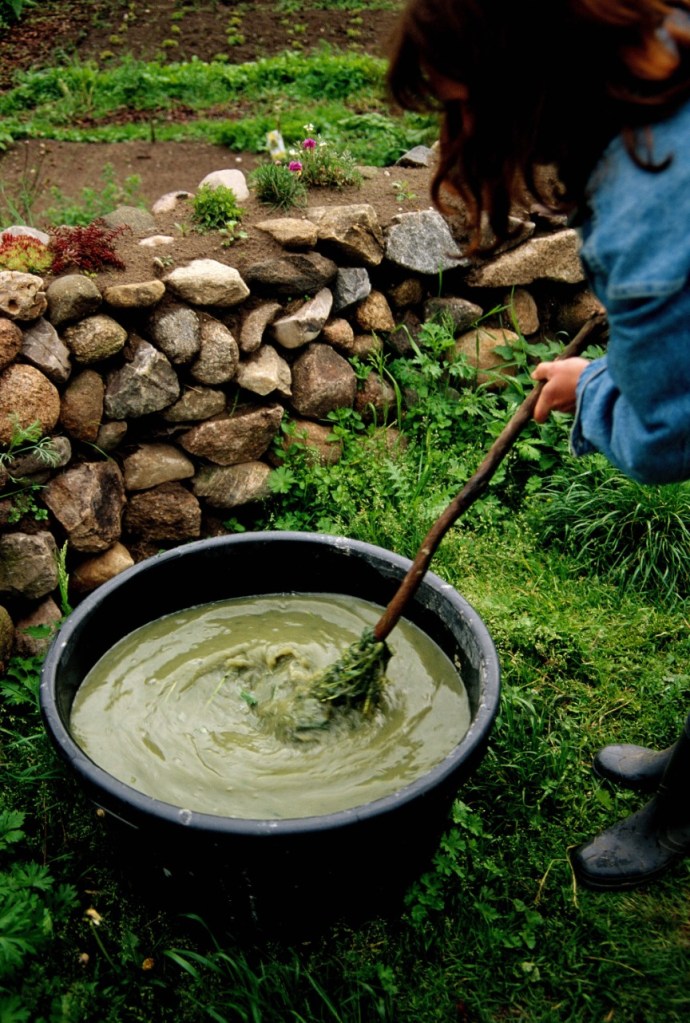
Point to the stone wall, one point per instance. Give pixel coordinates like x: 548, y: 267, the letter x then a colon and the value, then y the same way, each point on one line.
x: 162, y: 398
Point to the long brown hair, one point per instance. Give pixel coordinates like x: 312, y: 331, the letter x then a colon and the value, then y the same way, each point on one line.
x: 548, y: 82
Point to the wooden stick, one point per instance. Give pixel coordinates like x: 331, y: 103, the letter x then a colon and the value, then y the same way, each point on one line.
x: 474, y: 487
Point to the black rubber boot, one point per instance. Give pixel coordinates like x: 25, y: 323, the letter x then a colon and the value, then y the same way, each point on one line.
x: 634, y: 767
x: 643, y: 846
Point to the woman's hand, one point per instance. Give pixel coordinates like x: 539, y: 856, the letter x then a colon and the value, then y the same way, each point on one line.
x: 558, y: 393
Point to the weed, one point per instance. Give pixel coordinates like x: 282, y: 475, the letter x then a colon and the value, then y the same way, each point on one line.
x: 278, y: 187
x: 93, y: 203
x: 403, y: 193
x: 26, y: 441
x: 214, y: 208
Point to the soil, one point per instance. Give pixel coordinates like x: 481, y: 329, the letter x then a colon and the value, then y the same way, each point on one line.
x: 33, y: 169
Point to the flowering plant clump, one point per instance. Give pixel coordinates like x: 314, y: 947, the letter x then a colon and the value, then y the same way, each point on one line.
x: 321, y: 165
x: 25, y: 254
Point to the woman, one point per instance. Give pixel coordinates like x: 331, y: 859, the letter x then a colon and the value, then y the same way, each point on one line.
x: 601, y: 90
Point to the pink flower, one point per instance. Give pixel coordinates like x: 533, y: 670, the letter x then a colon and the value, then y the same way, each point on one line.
x: 309, y: 144
x: 295, y: 165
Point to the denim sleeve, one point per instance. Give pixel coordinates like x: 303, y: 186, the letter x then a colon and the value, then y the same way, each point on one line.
x: 633, y: 405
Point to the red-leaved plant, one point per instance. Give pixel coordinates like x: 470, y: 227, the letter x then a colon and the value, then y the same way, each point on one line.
x: 87, y: 247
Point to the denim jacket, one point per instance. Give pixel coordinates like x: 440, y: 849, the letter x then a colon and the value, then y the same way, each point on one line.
x: 633, y: 405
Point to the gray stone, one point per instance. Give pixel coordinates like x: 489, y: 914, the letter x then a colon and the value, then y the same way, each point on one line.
x: 170, y: 201
x: 21, y: 295
x: 293, y: 274
x: 43, y: 348
x: 47, y: 614
x: 207, y: 282
x: 320, y: 440
x: 418, y: 156
x: 422, y: 242
x: 322, y: 381
x: 94, y: 339
x: 522, y: 308
x: 11, y: 339
x: 375, y: 399
x: 110, y: 436
x: 72, y: 298
x: 153, y: 464
x: 196, y: 404
x: 87, y: 500
x: 28, y: 564
x: 306, y: 323
x: 228, y: 177
x: 26, y: 397
x: 339, y: 334
x: 351, y: 285
x: 479, y: 346
x: 138, y: 221
x: 554, y: 257
x: 176, y: 330
x: 93, y: 572
x: 81, y: 407
x: 255, y: 323
x: 352, y: 231
x: 264, y: 371
x: 234, y: 485
x: 146, y: 384
x: 54, y: 455
x: 242, y: 437
x: 140, y: 295
x: 24, y: 231
x: 167, y: 512
x: 6, y: 638
x: 459, y: 311
x: 374, y: 314
x: 218, y: 354
x: 290, y: 232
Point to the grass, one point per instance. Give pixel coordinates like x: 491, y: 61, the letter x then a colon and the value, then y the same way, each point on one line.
x: 496, y: 928
x: 341, y: 94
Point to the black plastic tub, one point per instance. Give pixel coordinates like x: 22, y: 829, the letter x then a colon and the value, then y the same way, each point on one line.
x: 272, y: 872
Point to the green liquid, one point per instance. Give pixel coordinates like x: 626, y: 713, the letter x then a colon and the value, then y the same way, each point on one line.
x: 171, y: 709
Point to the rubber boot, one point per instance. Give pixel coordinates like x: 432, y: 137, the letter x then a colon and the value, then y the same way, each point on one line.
x: 634, y: 767
x: 643, y: 846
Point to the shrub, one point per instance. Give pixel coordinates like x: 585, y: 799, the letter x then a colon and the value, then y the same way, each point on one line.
x: 87, y: 247
x: 215, y: 207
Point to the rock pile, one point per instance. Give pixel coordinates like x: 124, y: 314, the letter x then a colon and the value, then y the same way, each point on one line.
x: 162, y: 398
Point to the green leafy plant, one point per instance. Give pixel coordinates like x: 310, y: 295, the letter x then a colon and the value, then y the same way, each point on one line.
x: 26, y: 441
x: 278, y: 187
x: 93, y: 203
x: 214, y: 208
